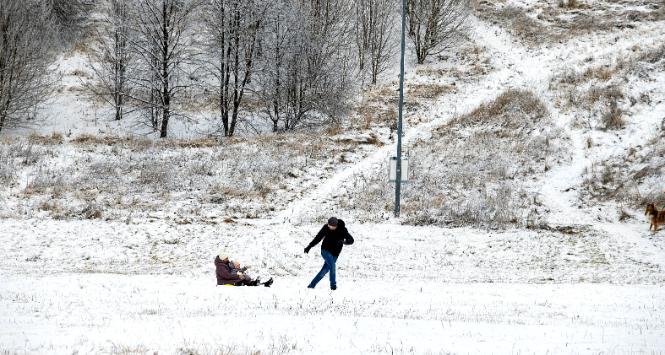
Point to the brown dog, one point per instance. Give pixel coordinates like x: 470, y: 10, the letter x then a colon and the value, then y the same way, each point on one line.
x: 657, y: 217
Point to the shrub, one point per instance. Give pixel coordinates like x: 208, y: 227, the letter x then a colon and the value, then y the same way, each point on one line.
x: 604, y: 93
x: 613, y: 118
x: 7, y: 168
x: 569, y: 4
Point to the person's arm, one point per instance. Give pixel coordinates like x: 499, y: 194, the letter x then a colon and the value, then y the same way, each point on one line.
x: 316, y: 239
x: 348, y: 239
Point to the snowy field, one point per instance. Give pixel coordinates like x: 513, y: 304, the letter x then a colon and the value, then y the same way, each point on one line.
x: 150, y: 287
x: 107, y: 248
x: 121, y: 314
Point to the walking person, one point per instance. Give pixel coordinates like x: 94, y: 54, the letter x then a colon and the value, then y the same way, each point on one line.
x: 334, y: 236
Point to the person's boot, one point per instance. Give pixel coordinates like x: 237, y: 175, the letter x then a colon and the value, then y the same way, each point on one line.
x: 333, y: 287
x: 268, y: 283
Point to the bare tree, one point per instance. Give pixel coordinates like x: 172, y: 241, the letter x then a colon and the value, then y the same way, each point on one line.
x: 25, y: 44
x: 110, y: 57
x: 69, y: 17
x: 306, y: 76
x: 374, y: 25
x: 164, y: 49
x: 434, y: 25
x: 234, y: 27
x: 277, y: 43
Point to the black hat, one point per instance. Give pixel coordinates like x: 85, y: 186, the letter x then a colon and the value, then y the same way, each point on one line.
x: 332, y: 221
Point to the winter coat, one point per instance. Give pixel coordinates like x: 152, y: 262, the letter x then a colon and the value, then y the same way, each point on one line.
x: 225, y: 273
x: 333, y: 240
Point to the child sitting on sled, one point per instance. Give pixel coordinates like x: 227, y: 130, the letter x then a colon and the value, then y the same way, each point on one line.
x: 231, y: 273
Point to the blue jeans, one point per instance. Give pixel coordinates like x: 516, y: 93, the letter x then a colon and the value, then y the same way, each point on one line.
x: 328, y: 266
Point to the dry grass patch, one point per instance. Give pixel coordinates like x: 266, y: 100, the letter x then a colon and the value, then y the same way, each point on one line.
x: 596, y: 94
x: 52, y: 139
x: 563, y: 20
x: 193, y: 143
x: 91, y: 139
x: 129, y: 350
x: 516, y: 20
x: 469, y: 62
x: 429, y: 91
x: 507, y: 111
x: 578, y: 18
x: 608, y: 94
x: 634, y: 178
x: 378, y: 107
x: 595, y: 74
x: 144, y: 143
x: 572, y: 4
x: 653, y: 55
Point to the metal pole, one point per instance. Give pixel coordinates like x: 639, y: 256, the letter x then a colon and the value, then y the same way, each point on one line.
x: 398, y: 170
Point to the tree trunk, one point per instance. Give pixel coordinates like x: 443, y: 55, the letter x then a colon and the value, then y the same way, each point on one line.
x: 166, y: 94
x: 165, y: 121
x: 118, y: 112
x: 236, y: 71
x: 278, y: 65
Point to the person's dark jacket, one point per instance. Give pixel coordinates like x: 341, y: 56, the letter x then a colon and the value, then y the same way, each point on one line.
x: 225, y: 273
x: 333, y: 240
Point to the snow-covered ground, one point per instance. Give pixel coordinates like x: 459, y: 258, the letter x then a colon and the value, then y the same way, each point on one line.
x: 583, y: 282
x: 100, y: 314
x: 112, y: 287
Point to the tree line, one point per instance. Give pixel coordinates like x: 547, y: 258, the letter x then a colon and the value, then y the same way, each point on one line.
x: 294, y: 63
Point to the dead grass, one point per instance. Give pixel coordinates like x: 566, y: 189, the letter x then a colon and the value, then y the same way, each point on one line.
x: 613, y: 117
x: 429, y: 91
x: 608, y: 94
x: 52, y: 139
x: 471, y: 62
x: 515, y: 19
x: 144, y: 143
x: 598, y: 73
x: 378, y: 107
x: 563, y: 20
x: 630, y: 179
x: 596, y: 95
x: 53, y: 207
x: 499, y: 111
x: 193, y: 143
x: 432, y: 72
x: 91, y: 139
x: 571, y: 4
x: 129, y: 350
x: 650, y: 56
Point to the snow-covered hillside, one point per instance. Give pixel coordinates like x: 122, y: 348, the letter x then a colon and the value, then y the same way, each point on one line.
x: 533, y: 151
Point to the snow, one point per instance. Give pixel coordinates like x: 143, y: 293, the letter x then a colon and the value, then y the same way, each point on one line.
x: 169, y: 314
x: 586, y: 284
x: 94, y: 286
